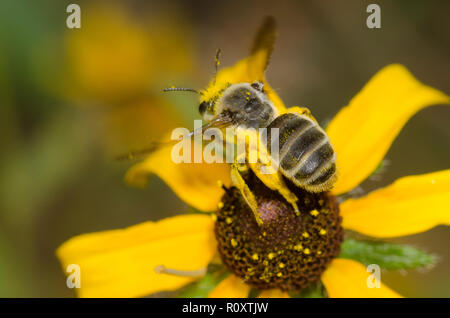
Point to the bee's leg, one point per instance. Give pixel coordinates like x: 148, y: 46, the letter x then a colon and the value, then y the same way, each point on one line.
x: 273, y: 179
x: 238, y: 181
x: 301, y: 111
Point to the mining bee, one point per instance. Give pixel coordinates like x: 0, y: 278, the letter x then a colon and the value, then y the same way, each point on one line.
x: 306, y: 157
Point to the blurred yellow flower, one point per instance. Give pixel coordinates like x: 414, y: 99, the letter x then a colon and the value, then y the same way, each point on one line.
x: 119, y: 61
x: 117, y: 54
x: 122, y: 263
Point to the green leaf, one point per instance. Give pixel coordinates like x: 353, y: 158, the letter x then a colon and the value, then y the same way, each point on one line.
x: 386, y: 255
x: 254, y: 293
x: 202, y: 287
x: 314, y: 290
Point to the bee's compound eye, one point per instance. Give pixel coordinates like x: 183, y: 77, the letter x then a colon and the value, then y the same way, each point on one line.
x: 202, y: 108
x: 257, y: 85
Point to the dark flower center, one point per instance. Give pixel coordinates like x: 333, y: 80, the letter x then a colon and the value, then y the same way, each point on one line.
x: 287, y: 251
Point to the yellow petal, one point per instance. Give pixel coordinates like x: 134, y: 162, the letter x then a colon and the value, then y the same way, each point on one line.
x: 410, y: 205
x: 362, y: 132
x: 121, y: 263
x: 195, y: 183
x: 345, y: 278
x: 230, y: 287
x: 273, y: 293
x: 250, y: 69
x: 262, y: 48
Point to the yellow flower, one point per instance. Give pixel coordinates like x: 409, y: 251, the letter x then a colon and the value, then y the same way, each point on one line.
x: 122, y: 263
x: 118, y: 61
x: 117, y: 55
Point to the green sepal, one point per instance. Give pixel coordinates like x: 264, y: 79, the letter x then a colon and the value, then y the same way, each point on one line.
x: 202, y: 287
x: 386, y: 255
x: 254, y: 293
x: 380, y: 168
x: 314, y: 290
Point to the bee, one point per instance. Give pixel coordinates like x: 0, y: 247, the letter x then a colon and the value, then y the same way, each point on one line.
x: 306, y: 157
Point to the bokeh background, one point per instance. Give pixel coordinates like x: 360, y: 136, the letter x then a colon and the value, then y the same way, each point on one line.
x: 73, y: 99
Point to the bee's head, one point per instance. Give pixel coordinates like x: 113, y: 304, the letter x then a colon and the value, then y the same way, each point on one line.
x: 206, y: 109
x: 245, y: 104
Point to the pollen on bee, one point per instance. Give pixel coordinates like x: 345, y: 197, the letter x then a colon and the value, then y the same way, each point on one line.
x: 281, y: 265
x: 271, y: 255
x: 229, y: 220
x: 322, y: 232
x: 314, y: 212
x: 307, y: 251
x: 255, y: 256
x: 279, y: 274
x: 233, y: 242
x: 305, y: 234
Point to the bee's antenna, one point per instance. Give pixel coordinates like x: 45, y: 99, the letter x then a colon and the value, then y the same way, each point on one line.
x: 217, y: 63
x: 181, y: 89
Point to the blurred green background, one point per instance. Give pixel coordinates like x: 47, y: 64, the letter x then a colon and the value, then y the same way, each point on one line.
x: 73, y: 99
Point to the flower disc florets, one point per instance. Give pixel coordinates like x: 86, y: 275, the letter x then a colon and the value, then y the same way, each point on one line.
x: 287, y: 251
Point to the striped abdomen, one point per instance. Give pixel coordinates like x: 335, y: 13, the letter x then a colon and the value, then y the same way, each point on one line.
x: 306, y: 156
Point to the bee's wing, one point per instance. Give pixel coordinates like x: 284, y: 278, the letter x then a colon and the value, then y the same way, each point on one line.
x: 262, y: 48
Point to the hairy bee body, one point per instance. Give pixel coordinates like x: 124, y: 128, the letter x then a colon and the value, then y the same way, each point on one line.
x: 306, y: 156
